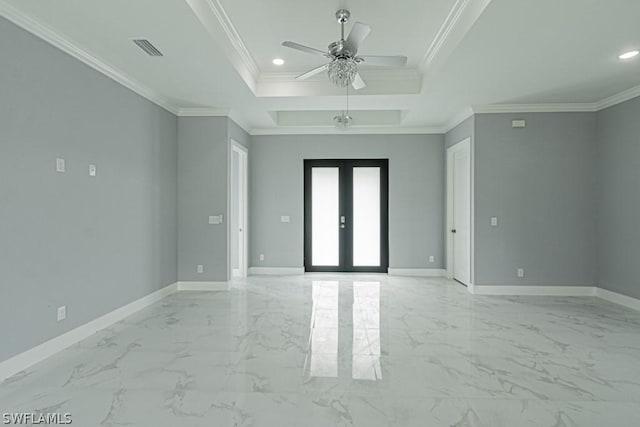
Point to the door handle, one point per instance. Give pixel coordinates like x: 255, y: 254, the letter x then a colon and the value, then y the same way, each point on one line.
x: 454, y: 231
x: 343, y: 220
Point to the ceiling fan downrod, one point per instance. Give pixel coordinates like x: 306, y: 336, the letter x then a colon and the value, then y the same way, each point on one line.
x: 342, y: 16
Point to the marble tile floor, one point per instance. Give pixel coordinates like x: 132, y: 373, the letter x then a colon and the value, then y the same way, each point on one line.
x: 347, y: 350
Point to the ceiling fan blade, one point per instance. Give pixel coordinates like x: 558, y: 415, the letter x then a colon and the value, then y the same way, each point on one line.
x: 304, y: 48
x: 358, y: 33
x: 386, y: 61
x: 358, y: 83
x: 312, y: 72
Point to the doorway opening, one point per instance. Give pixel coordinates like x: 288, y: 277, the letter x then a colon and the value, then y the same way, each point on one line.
x: 460, y: 212
x: 238, y: 211
x: 346, y: 219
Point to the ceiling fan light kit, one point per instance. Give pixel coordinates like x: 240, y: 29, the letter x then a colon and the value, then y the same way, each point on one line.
x: 343, y: 121
x: 342, y: 71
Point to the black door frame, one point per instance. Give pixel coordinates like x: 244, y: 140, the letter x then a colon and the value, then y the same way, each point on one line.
x: 346, y: 208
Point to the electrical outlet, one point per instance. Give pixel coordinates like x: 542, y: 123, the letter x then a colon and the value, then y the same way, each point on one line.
x: 432, y: 259
x: 521, y: 272
x: 285, y: 218
x: 200, y: 268
x: 62, y: 313
x: 494, y: 221
x: 215, y: 219
x: 261, y: 257
x: 92, y: 170
x: 60, y: 165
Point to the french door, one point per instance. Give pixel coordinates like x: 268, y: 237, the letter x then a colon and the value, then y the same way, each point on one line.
x: 346, y: 220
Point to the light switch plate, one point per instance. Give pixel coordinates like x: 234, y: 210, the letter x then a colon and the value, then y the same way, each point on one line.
x: 432, y: 259
x: 261, y: 257
x: 285, y: 218
x: 60, y: 165
x: 494, y: 221
x: 62, y: 313
x: 200, y: 268
x: 215, y: 219
x: 519, y: 123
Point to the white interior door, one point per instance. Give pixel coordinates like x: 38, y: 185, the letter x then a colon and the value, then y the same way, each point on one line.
x: 239, y: 211
x: 461, y: 211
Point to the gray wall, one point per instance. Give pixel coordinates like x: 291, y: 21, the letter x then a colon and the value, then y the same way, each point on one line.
x: 464, y: 130
x: 202, y: 191
x: 619, y: 198
x: 416, y: 194
x: 92, y: 244
x: 539, y: 182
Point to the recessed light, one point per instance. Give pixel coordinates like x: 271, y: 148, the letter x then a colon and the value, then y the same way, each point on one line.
x: 629, y: 55
x: 278, y: 61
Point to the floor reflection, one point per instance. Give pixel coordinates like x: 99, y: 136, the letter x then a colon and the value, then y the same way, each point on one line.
x: 366, y: 317
x: 324, y: 330
x: 356, y: 342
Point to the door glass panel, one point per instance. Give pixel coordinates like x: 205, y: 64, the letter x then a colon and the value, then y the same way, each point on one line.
x: 325, y: 214
x: 366, y: 216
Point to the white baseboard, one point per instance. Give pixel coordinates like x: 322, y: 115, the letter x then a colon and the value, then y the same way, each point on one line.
x: 203, y: 286
x: 417, y: 272
x: 569, y: 291
x: 40, y: 352
x: 617, y: 298
x: 572, y: 291
x: 276, y: 271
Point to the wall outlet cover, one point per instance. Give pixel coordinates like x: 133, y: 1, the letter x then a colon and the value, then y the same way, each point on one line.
x: 432, y: 259
x: 92, y: 170
x: 521, y: 272
x: 261, y: 257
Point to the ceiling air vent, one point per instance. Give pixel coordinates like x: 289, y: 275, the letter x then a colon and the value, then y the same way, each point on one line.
x: 146, y: 45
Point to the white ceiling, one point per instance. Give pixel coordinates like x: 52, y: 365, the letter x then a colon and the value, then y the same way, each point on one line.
x: 461, y: 53
x: 399, y: 28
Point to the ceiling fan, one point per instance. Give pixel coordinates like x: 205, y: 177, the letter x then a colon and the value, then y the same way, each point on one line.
x: 342, y: 68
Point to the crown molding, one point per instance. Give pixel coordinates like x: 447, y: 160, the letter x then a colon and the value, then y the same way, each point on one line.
x: 586, y: 107
x: 218, y: 24
x: 445, y: 30
x: 461, y: 17
x: 618, y: 98
x: 234, y: 37
x: 535, y: 108
x: 374, y: 75
x: 203, y: 112
x: 355, y: 130
x: 69, y: 47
